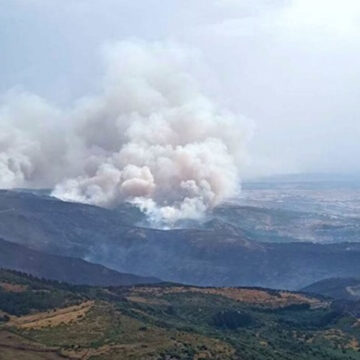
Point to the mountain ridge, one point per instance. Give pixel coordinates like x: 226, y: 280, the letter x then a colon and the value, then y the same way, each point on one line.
x: 200, y: 256
x: 336, y: 288
x: 65, y: 269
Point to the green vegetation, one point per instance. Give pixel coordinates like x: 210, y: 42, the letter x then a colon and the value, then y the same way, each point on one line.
x: 169, y: 322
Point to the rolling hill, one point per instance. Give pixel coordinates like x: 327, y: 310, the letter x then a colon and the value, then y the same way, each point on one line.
x: 48, y: 320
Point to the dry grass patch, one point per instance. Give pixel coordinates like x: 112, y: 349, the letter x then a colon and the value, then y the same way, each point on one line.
x: 14, y: 347
x: 15, y: 288
x: 251, y: 296
x: 353, y: 344
x: 150, y: 345
x: 52, y: 318
x: 142, y: 300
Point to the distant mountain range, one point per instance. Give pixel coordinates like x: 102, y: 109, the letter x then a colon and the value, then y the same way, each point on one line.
x: 219, y: 252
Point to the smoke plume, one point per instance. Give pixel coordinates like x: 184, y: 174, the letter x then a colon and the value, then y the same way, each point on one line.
x: 152, y: 138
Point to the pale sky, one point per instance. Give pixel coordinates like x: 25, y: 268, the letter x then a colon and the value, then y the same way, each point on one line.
x: 292, y: 66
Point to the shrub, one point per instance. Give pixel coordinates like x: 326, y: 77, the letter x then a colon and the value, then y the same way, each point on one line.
x: 231, y: 319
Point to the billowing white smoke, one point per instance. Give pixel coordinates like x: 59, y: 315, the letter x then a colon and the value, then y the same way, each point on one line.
x: 31, y: 141
x: 152, y: 138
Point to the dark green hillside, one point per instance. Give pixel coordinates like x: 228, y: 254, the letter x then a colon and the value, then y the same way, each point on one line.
x: 337, y: 288
x: 63, y: 268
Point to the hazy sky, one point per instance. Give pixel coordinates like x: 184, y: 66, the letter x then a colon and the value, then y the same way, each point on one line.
x: 292, y: 66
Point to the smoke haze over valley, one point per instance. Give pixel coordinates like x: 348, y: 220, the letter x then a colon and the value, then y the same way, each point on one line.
x: 284, y: 233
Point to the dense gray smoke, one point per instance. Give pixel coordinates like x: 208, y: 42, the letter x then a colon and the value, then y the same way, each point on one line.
x: 152, y: 138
